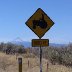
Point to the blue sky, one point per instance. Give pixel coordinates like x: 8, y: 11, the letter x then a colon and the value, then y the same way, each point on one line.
x: 14, y: 14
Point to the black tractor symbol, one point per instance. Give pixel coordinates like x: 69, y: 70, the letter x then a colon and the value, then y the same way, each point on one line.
x: 40, y: 23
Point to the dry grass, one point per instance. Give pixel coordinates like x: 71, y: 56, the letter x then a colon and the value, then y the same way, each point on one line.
x: 9, y: 63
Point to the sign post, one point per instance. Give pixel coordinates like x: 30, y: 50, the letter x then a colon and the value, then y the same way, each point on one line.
x: 40, y: 58
x: 40, y: 23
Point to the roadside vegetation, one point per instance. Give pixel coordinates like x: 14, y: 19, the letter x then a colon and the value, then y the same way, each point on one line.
x: 56, y: 55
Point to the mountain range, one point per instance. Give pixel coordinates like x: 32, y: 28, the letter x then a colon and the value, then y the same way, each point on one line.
x: 27, y: 44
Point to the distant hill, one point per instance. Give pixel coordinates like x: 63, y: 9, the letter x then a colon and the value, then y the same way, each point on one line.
x: 19, y: 41
x: 57, y: 45
x: 24, y: 43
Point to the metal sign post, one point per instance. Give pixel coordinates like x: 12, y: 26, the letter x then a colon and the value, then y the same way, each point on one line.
x: 40, y: 58
x: 20, y: 64
x: 40, y: 23
x: 40, y: 43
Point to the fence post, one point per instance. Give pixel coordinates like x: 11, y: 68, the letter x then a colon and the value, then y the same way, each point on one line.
x: 47, y: 66
x: 20, y: 64
x: 28, y: 64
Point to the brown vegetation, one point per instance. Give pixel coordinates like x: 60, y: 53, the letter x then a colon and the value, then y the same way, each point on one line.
x: 59, y: 59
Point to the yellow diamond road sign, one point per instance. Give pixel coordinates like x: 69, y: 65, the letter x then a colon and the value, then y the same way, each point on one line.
x: 39, y: 23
